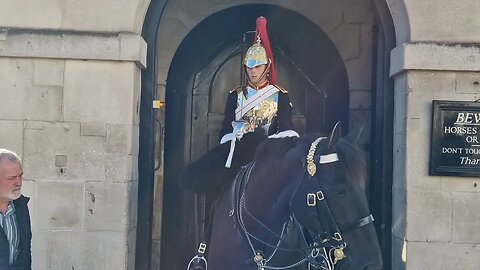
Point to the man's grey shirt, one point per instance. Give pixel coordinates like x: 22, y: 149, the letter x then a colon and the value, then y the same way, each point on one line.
x: 8, y: 221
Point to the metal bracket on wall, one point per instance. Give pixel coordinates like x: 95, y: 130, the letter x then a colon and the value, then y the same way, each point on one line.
x: 157, y: 104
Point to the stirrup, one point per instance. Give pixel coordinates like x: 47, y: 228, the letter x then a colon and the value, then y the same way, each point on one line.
x: 196, y: 263
x: 198, y: 259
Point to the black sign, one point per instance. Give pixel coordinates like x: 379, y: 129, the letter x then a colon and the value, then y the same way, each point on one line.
x: 455, y: 144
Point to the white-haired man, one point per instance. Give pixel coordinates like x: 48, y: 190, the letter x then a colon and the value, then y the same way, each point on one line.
x: 15, y: 233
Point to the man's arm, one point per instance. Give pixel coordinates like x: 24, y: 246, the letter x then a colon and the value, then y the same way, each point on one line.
x: 229, y: 117
x: 285, y: 112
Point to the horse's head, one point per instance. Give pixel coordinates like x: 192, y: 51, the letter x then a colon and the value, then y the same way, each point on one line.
x: 331, y: 202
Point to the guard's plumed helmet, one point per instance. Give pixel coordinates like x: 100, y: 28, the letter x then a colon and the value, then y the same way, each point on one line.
x: 260, y: 53
x: 256, y: 55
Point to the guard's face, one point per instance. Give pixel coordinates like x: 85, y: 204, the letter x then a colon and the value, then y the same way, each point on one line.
x: 255, y: 74
x: 10, y: 180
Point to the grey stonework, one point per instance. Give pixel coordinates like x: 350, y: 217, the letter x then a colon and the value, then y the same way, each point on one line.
x: 70, y: 85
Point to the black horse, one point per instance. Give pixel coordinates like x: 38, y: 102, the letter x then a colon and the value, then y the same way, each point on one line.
x: 279, y: 215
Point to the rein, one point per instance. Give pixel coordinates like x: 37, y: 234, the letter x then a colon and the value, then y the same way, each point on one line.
x: 258, y: 256
x: 317, y: 214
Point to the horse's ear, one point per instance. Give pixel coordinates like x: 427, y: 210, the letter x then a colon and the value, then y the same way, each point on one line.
x: 354, y: 136
x: 335, y: 136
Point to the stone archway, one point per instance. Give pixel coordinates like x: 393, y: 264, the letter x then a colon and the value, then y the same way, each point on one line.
x: 199, y: 97
x: 156, y: 72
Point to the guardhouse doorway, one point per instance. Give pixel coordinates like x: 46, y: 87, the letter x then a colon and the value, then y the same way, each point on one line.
x: 207, y: 64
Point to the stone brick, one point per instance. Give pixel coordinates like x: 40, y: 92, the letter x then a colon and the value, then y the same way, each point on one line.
x: 120, y: 139
x: 85, y: 154
x: 172, y: 32
x: 447, y: 21
x: 468, y: 83
x: 29, y: 189
x: 346, y: 38
x: 466, y: 220
x: 44, y: 103
x: 356, y: 11
x: 106, y: 207
x: 327, y: 14
x: 359, y: 69
x: 433, y: 56
x: 359, y: 75
x: 45, y: 14
x: 442, y: 256
x: 16, y: 77
x: 422, y: 209
x: 92, y: 86
x: 459, y: 184
x: 26, y: 101
x: 48, y: 72
x: 417, y: 159
x: 134, y: 48
x: 103, y: 250
x: 11, y: 136
x: 3, y: 34
x: 92, y: 129
x: 360, y: 100
x: 61, y: 205
x: 399, y: 216
x: 104, y: 16
x: 38, y: 125
x: 119, y: 168
x: 423, y: 87
x: 41, y: 249
x: 63, y: 45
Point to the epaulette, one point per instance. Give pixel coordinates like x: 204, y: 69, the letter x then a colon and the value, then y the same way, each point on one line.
x: 283, y: 90
x: 237, y: 89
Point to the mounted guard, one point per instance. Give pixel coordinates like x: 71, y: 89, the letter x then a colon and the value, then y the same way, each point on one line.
x: 260, y: 105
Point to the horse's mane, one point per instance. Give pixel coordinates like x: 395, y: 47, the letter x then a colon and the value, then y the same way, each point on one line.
x: 351, y: 156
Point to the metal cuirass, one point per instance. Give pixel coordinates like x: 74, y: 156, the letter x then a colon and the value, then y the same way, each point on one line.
x: 260, y: 114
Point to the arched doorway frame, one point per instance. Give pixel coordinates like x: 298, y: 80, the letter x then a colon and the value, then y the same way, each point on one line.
x: 146, y: 157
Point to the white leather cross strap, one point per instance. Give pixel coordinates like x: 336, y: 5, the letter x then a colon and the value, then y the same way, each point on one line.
x: 284, y: 134
x: 254, y: 100
x: 232, y: 138
x: 328, y: 158
x: 228, y: 163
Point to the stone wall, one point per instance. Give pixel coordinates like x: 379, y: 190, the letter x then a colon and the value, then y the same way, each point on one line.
x: 347, y: 23
x: 435, y: 219
x: 70, y: 88
x: 70, y: 82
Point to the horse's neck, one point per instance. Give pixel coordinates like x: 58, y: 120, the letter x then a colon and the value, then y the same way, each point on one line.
x: 268, y: 199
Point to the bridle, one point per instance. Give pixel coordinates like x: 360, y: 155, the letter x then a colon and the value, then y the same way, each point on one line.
x: 327, y: 243
x: 311, y: 209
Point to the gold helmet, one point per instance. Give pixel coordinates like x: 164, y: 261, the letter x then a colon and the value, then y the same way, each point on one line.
x: 260, y: 53
x: 256, y: 55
